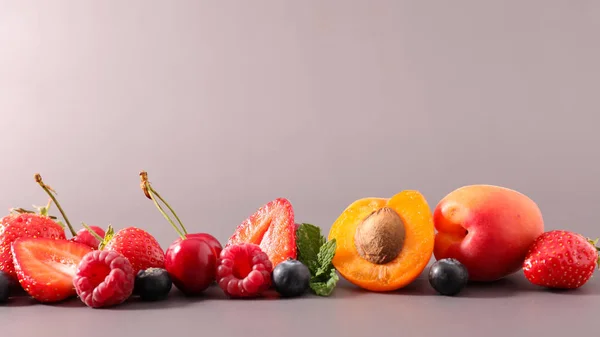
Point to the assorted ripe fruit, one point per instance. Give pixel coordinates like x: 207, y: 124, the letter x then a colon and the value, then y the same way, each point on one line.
x: 475, y: 233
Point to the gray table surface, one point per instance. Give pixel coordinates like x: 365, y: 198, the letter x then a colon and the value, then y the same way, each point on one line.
x: 510, y: 307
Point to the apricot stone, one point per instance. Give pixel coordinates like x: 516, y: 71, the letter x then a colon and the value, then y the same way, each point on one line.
x: 380, y: 236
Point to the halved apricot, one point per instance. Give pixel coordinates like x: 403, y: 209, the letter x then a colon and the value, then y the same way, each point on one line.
x: 383, y: 244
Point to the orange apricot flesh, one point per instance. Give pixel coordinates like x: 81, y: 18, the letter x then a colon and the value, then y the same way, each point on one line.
x: 415, y: 251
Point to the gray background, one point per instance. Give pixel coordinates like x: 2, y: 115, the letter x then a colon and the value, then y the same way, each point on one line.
x: 230, y: 104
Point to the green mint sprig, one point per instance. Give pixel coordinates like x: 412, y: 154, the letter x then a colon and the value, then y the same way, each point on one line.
x: 316, y: 253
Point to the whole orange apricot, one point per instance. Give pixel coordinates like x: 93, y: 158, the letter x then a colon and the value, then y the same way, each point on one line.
x: 487, y: 228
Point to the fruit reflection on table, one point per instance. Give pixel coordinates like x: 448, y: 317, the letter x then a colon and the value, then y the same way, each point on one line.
x: 477, y: 233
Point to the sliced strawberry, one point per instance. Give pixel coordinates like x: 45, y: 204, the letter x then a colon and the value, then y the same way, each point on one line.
x: 273, y: 228
x: 46, y: 267
x: 26, y: 225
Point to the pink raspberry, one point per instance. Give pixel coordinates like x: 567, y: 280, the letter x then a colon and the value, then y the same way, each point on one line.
x: 244, y: 270
x: 104, y: 278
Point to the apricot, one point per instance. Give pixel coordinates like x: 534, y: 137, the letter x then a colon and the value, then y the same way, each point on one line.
x: 489, y: 229
x: 383, y: 244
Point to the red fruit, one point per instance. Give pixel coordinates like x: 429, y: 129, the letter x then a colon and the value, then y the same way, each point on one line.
x: 211, y: 240
x: 561, y: 259
x: 139, y: 247
x: 191, y: 264
x: 85, y: 237
x: 190, y: 260
x: 273, y: 228
x: 103, y: 279
x: 45, y: 267
x: 26, y: 225
x: 244, y: 270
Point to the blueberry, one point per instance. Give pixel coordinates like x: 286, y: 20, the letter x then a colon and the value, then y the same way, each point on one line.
x: 6, y: 284
x: 448, y: 276
x: 291, y: 278
x: 152, y: 284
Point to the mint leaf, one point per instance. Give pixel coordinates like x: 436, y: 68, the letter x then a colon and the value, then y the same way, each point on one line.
x: 324, y: 257
x: 309, y: 241
x: 325, y: 288
x: 317, y: 253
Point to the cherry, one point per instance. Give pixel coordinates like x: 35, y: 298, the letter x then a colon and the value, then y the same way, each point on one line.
x: 191, y: 264
x: 191, y: 260
x: 211, y: 240
x: 90, y: 236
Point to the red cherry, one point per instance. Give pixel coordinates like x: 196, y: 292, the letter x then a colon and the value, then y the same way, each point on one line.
x: 191, y: 260
x: 211, y: 240
x: 191, y: 264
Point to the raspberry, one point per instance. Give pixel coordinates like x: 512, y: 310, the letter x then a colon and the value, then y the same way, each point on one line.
x: 104, y: 278
x: 244, y: 270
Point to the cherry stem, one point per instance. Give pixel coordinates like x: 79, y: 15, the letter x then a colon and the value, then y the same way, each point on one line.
x: 150, y: 194
x: 49, y: 190
x: 153, y: 191
x: 92, y: 232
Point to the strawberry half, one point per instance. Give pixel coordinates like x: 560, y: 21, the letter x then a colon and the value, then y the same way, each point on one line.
x: 46, y: 267
x: 561, y: 259
x: 273, y: 228
x: 24, y: 225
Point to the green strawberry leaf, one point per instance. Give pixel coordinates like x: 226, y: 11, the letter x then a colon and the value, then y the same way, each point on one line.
x: 110, y: 232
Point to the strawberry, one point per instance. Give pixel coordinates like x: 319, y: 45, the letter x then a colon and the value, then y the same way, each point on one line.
x: 24, y: 225
x: 45, y: 267
x: 273, y: 228
x: 138, y: 246
x: 561, y: 259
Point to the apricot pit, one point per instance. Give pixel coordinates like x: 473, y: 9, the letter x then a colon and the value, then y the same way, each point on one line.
x: 380, y: 236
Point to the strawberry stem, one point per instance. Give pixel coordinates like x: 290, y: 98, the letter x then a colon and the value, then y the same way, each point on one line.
x: 151, y: 194
x: 49, y: 190
x: 595, y: 244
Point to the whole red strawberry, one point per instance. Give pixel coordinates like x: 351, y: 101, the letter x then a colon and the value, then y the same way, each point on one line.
x: 561, y: 259
x: 138, y: 246
x: 24, y: 225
